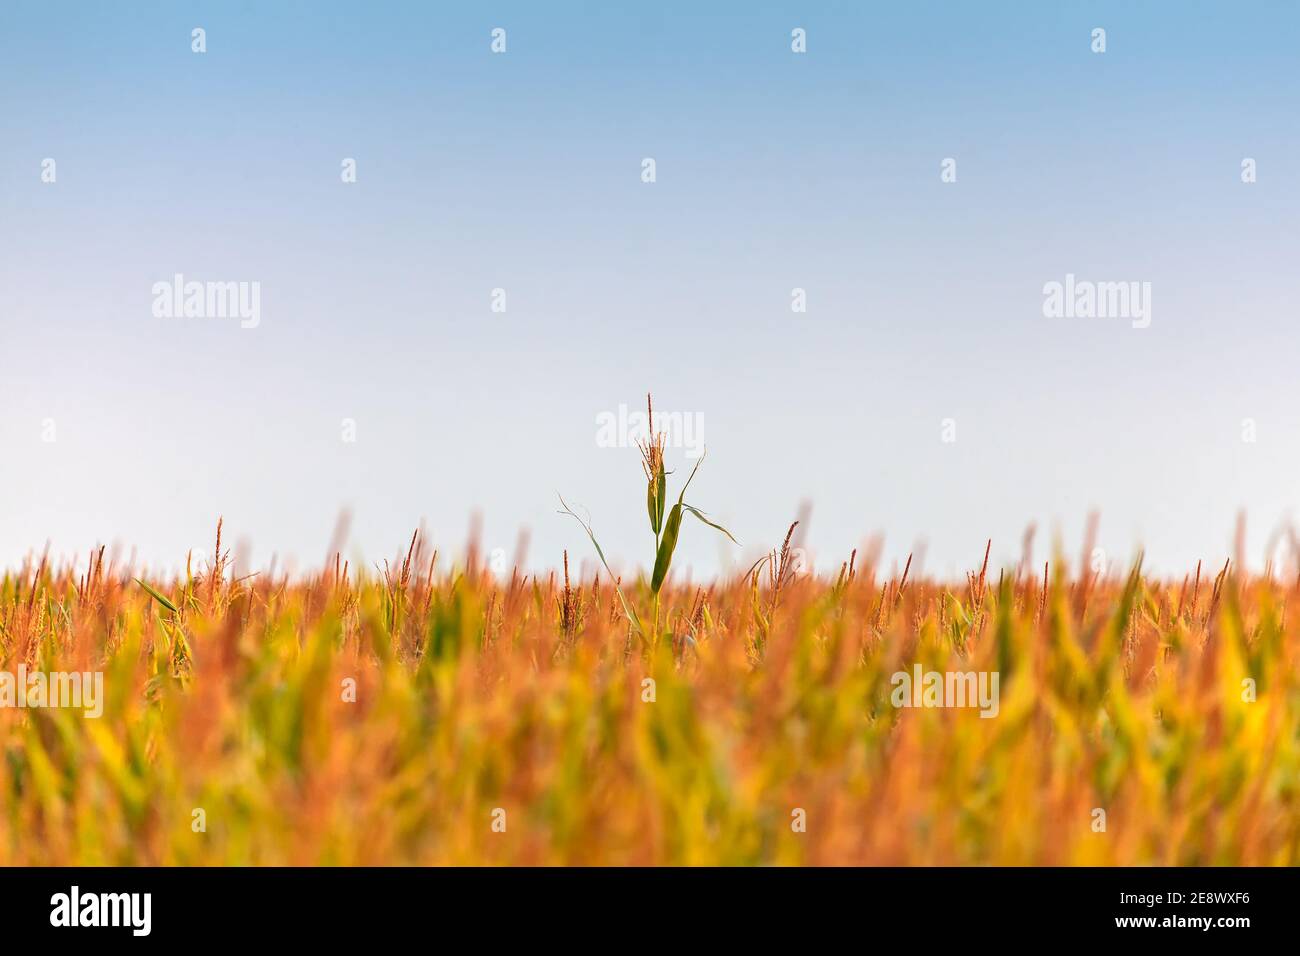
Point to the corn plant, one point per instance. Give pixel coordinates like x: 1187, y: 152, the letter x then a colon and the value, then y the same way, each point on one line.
x: 666, y: 529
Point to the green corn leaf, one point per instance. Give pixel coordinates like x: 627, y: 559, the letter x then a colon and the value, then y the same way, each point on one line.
x: 158, y: 597
x: 656, y: 493
x: 700, y: 514
x: 661, y: 497
x: 667, y: 544
x: 627, y: 608
x: 690, y: 478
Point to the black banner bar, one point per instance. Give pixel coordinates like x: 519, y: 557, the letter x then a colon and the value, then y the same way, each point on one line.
x: 335, y: 906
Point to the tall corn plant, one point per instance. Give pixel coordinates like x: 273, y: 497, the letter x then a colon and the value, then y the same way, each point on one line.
x: 666, y: 527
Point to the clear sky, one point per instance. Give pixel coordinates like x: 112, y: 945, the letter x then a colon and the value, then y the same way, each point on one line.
x: 523, y: 171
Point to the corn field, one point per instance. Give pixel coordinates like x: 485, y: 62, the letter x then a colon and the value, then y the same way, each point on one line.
x: 436, y: 713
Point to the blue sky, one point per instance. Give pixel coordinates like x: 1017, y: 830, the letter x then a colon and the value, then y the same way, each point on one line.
x: 521, y: 171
